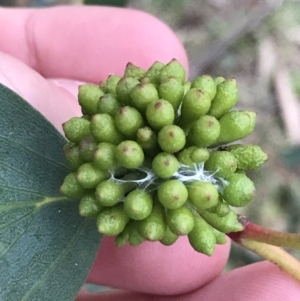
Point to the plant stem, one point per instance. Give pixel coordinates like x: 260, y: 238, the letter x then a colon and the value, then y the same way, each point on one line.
x: 272, y: 237
x: 274, y: 254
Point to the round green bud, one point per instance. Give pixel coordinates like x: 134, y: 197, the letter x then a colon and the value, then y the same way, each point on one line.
x: 143, y: 94
x: 204, y: 132
x: 146, y: 80
x: 172, y: 194
x: 88, y: 97
x: 129, y: 154
x: 169, y: 238
x: 111, y: 84
x: 236, y: 125
x: 185, y: 155
x: 186, y: 87
x: 130, y: 234
x: 219, y: 80
x: 87, y: 117
x: 84, y: 114
x: 202, y: 237
x: 172, y: 91
x: 71, y: 187
x: 225, y: 99
x: 128, y: 120
x: 165, y: 165
x: 135, y: 237
x: 249, y: 157
x: 88, y: 176
x: 104, y: 130
x: 124, y: 88
x: 134, y: 71
x: 196, y: 103
x: 242, y: 171
x: 108, y: 193
x: 154, y: 226
x: 206, y: 84
x: 160, y: 113
x: 222, y: 209
x: 171, y: 138
x: 147, y: 139
x: 76, y: 129
x: 220, y: 237
x: 112, y: 221
x: 239, y: 191
x: 122, y: 238
x: 87, y: 147
x: 104, y: 157
x: 89, y: 207
x: 102, y: 86
x: 203, y: 195
x: 138, y: 204
x: 200, y: 155
x: 153, y: 73
x: 108, y: 104
x: 222, y: 163
x: 173, y: 69
x: 180, y: 221
x: 145, y: 134
x: 226, y: 224
x: 72, y: 156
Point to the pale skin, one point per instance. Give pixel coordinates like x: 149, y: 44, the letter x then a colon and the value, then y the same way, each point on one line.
x: 44, y: 56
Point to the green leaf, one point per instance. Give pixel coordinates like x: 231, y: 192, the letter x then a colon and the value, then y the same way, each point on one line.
x: 46, y: 248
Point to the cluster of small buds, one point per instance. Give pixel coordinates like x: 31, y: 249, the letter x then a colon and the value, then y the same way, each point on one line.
x: 151, y: 157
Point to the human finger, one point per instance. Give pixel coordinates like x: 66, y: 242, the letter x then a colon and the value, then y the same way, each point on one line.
x: 86, y: 43
x: 155, y: 268
x: 256, y: 282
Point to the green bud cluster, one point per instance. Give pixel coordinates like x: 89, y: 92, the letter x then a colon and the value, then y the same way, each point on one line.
x: 152, y: 159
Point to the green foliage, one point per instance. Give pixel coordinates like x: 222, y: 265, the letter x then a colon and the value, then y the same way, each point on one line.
x: 150, y: 139
x: 46, y: 248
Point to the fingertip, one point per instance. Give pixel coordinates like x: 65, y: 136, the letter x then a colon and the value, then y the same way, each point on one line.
x: 152, y: 40
x: 56, y: 103
x: 87, y: 42
x: 154, y: 268
x: 256, y: 282
x: 106, y: 40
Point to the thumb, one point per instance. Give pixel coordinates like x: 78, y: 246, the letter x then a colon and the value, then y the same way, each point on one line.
x: 54, y: 99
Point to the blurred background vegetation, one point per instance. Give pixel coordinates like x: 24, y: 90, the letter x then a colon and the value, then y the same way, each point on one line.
x: 258, y: 43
